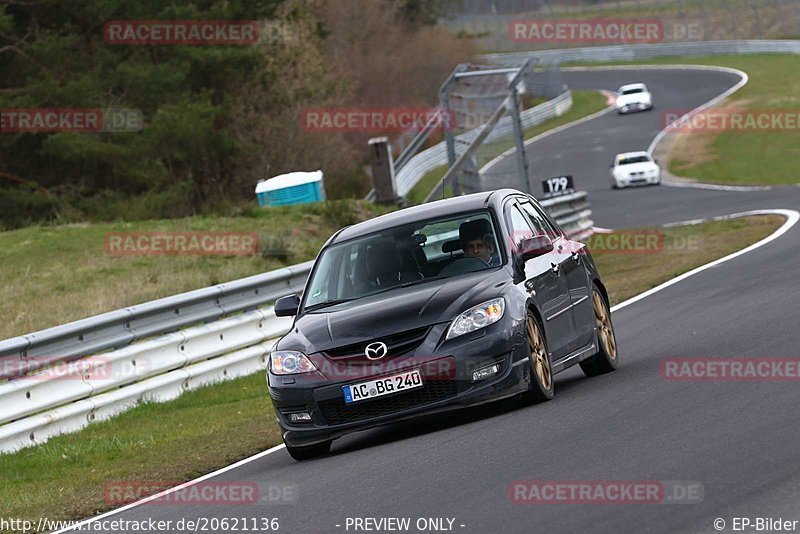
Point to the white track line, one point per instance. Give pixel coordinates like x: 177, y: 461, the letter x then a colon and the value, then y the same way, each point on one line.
x: 792, y: 217
x: 657, y: 139
x: 697, y: 185
x: 82, y: 525
x: 725, y: 94
x: 744, y: 78
x: 542, y: 135
x: 693, y: 222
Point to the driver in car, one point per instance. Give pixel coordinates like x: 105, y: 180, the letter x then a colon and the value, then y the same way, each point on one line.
x: 477, y: 241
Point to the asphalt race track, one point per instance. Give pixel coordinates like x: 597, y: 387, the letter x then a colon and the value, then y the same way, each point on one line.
x: 739, y: 440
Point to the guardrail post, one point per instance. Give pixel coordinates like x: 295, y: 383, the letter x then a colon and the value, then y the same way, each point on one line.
x: 382, y: 170
x: 519, y: 138
x: 449, y: 139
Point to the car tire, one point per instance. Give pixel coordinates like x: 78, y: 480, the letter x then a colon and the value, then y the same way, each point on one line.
x: 309, y: 451
x: 541, y: 370
x: 606, y: 359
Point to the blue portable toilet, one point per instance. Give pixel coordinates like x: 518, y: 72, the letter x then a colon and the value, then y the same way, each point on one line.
x: 291, y: 188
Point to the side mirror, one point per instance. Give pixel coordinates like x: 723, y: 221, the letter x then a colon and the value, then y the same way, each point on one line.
x: 655, y: 161
x: 287, y: 306
x: 533, y: 247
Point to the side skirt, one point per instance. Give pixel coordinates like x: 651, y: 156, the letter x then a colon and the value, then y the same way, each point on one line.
x: 587, y: 351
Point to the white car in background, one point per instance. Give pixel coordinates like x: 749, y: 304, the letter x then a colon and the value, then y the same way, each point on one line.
x: 634, y: 97
x: 634, y: 168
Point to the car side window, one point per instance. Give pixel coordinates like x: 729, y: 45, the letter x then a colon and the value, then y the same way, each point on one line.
x: 540, y: 220
x: 345, y: 283
x: 520, y: 228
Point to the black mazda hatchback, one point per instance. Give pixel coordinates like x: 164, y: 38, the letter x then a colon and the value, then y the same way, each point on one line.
x: 440, y: 306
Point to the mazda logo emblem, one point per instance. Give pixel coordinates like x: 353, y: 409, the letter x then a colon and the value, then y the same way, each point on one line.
x: 376, y: 351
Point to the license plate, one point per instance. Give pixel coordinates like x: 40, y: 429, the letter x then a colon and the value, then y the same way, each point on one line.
x: 382, y: 386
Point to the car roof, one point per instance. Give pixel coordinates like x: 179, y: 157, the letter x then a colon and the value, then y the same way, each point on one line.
x: 632, y: 154
x: 633, y: 86
x: 422, y: 212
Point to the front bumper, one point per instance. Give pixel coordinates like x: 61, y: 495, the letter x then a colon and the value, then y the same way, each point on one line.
x: 637, y: 106
x: 631, y: 182
x: 502, y: 343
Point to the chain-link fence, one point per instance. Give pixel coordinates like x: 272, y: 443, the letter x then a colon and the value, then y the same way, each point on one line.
x: 513, y: 25
x: 485, y: 113
x: 490, y: 109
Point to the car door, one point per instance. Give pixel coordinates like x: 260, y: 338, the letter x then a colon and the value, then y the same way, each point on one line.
x: 572, y: 255
x: 545, y: 282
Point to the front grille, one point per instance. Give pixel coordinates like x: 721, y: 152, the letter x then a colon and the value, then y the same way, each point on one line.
x: 397, y: 344
x: 335, y: 411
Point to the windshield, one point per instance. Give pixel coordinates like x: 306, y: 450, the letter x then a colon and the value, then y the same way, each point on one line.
x: 632, y: 91
x: 633, y: 159
x: 402, y: 256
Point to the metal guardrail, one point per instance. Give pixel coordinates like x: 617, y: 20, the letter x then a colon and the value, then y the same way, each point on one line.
x: 72, y: 395
x: 63, y: 378
x: 647, y: 51
x: 572, y: 214
x: 117, y: 329
x: 185, y: 353
x: 181, y: 342
x: 436, y: 156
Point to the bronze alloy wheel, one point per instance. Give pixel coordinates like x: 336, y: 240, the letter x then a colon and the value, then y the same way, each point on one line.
x: 539, y: 359
x: 607, y: 358
x: 540, y: 388
x: 605, y: 330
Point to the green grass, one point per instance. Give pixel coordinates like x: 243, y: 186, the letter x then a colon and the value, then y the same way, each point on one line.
x: 743, y: 157
x: 583, y: 103
x: 153, y: 443
x: 683, y: 249
x: 426, y: 184
x: 55, y: 274
x: 217, y: 425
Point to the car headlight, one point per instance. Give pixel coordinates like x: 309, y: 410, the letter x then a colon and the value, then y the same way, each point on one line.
x: 289, y: 362
x: 477, y: 317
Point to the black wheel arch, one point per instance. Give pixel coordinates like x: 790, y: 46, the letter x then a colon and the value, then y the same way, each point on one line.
x: 603, y: 291
x: 535, y: 311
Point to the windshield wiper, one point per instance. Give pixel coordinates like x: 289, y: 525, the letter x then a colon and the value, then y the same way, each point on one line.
x: 334, y: 302
x: 327, y: 303
x: 407, y: 284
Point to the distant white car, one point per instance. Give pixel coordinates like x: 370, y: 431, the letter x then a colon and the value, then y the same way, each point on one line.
x: 634, y: 97
x: 634, y: 168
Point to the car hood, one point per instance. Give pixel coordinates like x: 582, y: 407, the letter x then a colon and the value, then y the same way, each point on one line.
x: 633, y: 98
x: 396, y: 310
x: 624, y: 170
